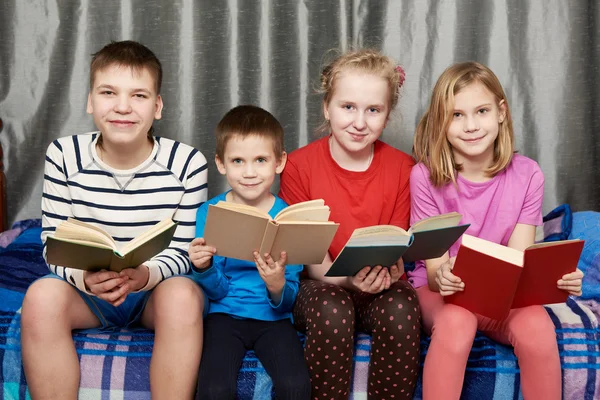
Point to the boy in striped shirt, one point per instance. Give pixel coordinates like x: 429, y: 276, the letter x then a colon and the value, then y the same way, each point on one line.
x: 124, y: 180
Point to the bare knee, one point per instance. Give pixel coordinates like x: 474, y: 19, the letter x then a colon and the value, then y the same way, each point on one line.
x: 46, y: 302
x: 178, y: 300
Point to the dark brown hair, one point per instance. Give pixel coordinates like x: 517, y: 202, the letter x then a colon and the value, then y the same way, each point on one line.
x: 130, y: 54
x: 248, y: 120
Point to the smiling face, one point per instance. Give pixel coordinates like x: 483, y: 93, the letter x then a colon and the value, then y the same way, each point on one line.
x: 124, y: 104
x: 250, y: 165
x: 475, y: 123
x: 357, y: 112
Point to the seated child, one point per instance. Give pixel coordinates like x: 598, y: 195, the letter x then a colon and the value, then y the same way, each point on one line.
x: 250, y: 303
x: 123, y: 180
x: 464, y: 146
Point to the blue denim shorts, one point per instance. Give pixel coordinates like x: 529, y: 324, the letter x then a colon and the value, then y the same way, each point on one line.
x: 127, y: 315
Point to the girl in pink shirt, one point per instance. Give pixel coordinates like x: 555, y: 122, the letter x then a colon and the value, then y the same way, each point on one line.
x: 464, y: 147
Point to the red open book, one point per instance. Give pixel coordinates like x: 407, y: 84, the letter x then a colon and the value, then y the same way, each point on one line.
x: 498, y: 278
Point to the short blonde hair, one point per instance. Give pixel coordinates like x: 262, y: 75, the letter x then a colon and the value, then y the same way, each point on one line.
x: 431, y: 145
x: 363, y: 60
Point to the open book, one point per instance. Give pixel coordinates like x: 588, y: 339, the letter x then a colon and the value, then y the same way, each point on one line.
x: 80, y: 245
x: 302, y: 230
x: 498, y: 278
x: 385, y: 244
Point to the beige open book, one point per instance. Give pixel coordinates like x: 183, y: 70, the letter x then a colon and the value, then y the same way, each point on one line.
x: 302, y: 230
x: 80, y: 245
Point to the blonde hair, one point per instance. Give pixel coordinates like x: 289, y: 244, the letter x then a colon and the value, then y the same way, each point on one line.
x: 363, y: 60
x: 431, y: 146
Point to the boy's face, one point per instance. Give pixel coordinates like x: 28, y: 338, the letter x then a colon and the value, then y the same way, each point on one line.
x: 124, y: 103
x: 250, y: 165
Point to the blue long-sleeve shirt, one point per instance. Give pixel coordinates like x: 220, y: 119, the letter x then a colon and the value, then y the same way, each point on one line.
x: 235, y: 287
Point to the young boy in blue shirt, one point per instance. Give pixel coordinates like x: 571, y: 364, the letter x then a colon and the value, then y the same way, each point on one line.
x: 250, y: 303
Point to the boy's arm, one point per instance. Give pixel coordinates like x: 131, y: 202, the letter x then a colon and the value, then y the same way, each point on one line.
x: 285, y: 302
x: 56, y: 208
x: 212, y: 279
x: 175, y: 260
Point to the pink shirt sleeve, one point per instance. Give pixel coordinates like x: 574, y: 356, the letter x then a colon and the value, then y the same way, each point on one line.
x: 422, y: 205
x: 531, y: 213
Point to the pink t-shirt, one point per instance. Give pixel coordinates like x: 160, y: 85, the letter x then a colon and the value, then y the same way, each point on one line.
x: 493, y: 208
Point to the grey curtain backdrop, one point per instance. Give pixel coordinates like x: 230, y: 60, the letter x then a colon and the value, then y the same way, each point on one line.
x: 220, y: 53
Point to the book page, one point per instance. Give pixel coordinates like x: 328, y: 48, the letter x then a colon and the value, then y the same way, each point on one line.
x: 496, y: 250
x: 320, y: 213
x: 437, y: 222
x: 155, y: 230
x: 315, y: 223
x: 73, y: 229
x: 378, y: 240
x: 380, y: 230
x: 310, y: 204
x: 242, y: 208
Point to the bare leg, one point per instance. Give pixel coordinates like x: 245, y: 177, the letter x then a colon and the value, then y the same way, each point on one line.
x: 51, y: 310
x: 174, y: 311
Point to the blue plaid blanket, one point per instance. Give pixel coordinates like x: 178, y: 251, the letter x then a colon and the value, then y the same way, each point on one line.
x: 116, y: 365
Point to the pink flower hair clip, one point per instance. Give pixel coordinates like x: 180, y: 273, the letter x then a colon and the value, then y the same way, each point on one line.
x: 402, y: 75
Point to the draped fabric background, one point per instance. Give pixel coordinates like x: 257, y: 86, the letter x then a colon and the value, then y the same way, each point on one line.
x: 218, y: 54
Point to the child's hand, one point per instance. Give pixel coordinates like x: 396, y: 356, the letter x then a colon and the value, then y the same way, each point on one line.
x: 200, y: 253
x: 571, y: 282
x: 396, y: 271
x: 107, y: 285
x: 272, y: 273
x: 138, y: 277
x: 447, y: 282
x: 372, y: 280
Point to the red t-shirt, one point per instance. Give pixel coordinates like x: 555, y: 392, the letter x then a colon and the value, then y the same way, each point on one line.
x: 378, y: 196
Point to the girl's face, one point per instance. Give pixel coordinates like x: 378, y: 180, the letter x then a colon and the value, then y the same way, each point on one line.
x: 475, y: 124
x: 357, y: 111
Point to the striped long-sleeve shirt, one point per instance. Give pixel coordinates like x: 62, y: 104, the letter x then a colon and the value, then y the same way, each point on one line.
x: 170, y: 183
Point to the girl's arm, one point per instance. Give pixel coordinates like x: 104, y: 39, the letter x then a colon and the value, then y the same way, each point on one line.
x: 423, y: 205
x: 523, y: 236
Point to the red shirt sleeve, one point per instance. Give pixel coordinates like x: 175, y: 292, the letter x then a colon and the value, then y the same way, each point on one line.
x: 293, y: 185
x: 401, y: 213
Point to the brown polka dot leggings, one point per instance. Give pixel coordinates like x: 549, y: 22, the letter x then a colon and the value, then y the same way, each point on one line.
x: 326, y: 314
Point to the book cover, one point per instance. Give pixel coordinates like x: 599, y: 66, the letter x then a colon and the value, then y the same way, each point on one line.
x: 88, y: 255
x: 498, y: 278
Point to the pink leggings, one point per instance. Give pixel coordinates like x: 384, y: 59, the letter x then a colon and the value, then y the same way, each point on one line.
x: 452, y: 328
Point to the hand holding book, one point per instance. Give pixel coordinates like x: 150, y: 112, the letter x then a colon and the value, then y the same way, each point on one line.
x: 200, y: 253
x: 272, y: 273
x: 447, y: 282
